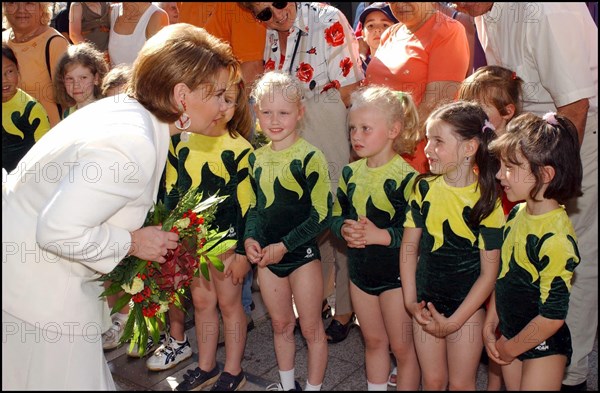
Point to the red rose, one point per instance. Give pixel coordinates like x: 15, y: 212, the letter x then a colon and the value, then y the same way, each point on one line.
x: 346, y: 65
x: 333, y: 84
x: 305, y: 72
x: 334, y: 34
x: 270, y: 65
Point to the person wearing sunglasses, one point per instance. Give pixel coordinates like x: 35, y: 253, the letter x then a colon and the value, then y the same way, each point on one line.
x: 315, y: 43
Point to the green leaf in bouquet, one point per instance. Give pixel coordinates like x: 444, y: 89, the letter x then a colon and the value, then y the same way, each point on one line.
x: 121, y: 302
x: 213, y: 239
x: 216, y: 262
x: 140, y: 331
x: 128, y: 330
x: 191, y: 200
x: 114, y: 289
x: 204, y: 268
x: 153, y: 326
x: 158, y: 215
x: 177, y: 299
x: 125, y: 271
x: 212, y: 253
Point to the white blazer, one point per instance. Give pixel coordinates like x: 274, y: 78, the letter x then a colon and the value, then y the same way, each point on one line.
x: 68, y: 208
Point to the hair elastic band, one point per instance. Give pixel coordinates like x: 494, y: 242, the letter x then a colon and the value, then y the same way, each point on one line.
x: 487, y: 124
x: 550, y: 118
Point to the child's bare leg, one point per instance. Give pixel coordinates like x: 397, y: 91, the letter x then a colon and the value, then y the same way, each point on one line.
x: 494, y: 376
x: 431, y: 352
x: 176, y: 322
x: 511, y: 374
x: 234, y: 319
x: 277, y: 296
x: 398, y: 324
x: 544, y: 373
x: 307, y: 287
x: 377, y: 358
x: 206, y: 318
x: 464, y: 352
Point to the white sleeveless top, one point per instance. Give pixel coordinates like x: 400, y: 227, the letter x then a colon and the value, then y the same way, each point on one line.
x: 124, y: 48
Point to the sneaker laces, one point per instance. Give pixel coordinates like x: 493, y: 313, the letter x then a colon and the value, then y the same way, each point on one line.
x: 166, y: 347
x: 171, y: 348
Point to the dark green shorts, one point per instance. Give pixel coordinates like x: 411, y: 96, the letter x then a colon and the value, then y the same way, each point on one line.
x: 294, y: 259
x: 374, y: 269
x: 558, y: 344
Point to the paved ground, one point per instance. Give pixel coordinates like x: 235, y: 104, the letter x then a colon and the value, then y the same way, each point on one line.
x: 345, y: 369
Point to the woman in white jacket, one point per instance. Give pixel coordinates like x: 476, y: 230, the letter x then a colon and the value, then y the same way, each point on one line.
x: 73, y: 208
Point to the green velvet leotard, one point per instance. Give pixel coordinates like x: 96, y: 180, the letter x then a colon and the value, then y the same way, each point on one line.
x: 381, y: 194
x: 216, y: 165
x: 539, y: 255
x: 449, y: 259
x: 292, y: 202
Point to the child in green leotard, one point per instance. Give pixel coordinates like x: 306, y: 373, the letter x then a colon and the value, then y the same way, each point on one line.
x: 369, y: 215
x: 540, y: 165
x: 215, y: 162
x: 292, y: 207
x: 454, y: 231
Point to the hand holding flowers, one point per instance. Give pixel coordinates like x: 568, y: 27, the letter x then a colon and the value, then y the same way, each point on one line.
x: 152, y: 243
x: 163, y: 263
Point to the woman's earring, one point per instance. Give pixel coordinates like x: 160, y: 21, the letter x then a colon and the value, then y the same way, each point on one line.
x: 184, y: 122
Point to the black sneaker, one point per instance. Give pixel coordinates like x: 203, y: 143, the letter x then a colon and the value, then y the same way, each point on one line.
x: 197, y: 379
x: 581, y: 387
x: 229, y: 383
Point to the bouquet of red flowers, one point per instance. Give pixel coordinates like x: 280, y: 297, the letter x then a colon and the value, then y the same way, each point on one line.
x: 150, y: 287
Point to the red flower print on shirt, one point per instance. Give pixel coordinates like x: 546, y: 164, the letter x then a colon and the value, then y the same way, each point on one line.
x: 346, y: 66
x: 334, y: 34
x: 312, y: 51
x: 333, y: 84
x: 305, y: 72
x: 270, y: 65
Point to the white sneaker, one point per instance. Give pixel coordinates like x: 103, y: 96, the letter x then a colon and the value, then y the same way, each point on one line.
x: 277, y: 386
x: 150, y: 346
x: 112, y: 337
x: 170, y: 354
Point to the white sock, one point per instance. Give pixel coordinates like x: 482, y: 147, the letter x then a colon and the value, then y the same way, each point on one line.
x: 314, y: 388
x: 181, y: 341
x: 376, y: 387
x: 287, y: 379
